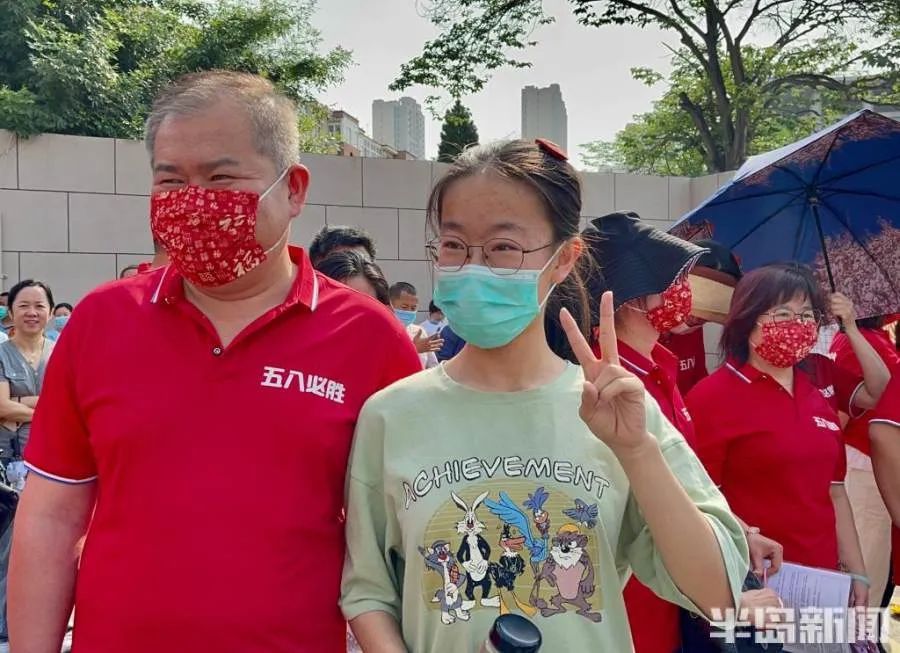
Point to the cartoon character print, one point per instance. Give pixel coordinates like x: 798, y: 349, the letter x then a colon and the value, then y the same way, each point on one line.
x: 559, y: 572
x: 535, y: 503
x: 583, y: 514
x: 439, y: 559
x: 474, y: 553
x: 508, y: 569
x: 570, y: 571
x: 511, y: 564
x: 510, y: 513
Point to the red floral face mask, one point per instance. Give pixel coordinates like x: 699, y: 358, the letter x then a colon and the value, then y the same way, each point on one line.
x: 784, y: 344
x: 674, y: 309
x: 209, y: 234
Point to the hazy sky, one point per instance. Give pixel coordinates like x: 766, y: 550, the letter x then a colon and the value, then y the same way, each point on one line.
x: 591, y: 65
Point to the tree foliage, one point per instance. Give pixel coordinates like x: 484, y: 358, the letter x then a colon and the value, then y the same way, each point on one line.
x: 93, y: 68
x: 665, y: 141
x: 458, y: 133
x: 737, y: 63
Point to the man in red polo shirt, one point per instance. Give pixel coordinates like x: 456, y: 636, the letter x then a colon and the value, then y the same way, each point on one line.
x: 214, y: 485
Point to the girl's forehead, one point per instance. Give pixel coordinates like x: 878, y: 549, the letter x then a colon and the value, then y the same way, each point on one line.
x: 487, y: 205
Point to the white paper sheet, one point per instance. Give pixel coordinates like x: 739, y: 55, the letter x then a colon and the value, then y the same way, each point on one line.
x: 807, y: 587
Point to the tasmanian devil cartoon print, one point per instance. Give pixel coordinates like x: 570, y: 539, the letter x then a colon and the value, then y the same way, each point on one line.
x: 440, y: 560
x: 474, y: 552
x: 570, y: 571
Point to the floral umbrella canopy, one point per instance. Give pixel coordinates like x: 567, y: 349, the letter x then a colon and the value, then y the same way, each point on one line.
x: 831, y: 201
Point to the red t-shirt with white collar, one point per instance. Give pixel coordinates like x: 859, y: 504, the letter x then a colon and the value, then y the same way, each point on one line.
x: 775, y: 455
x: 220, y: 470
x: 655, y: 623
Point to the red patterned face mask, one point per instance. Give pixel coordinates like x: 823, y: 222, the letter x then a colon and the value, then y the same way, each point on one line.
x: 674, y: 309
x: 210, y: 235
x: 784, y: 344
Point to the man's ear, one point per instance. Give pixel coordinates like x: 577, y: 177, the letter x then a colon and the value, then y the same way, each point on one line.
x: 298, y: 185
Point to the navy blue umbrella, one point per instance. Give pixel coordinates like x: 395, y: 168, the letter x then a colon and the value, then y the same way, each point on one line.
x: 831, y: 201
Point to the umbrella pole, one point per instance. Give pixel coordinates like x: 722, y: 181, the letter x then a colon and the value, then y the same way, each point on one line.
x: 814, y: 203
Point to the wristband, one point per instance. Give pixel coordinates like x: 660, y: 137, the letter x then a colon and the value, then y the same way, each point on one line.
x: 862, y: 579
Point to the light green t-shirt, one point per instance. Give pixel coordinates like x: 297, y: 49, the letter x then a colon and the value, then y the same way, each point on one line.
x: 463, y: 504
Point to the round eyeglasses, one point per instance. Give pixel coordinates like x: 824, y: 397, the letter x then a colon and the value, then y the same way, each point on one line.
x: 501, y: 255
x: 786, y: 315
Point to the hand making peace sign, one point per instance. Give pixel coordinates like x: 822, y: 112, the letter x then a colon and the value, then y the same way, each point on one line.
x: 612, y: 401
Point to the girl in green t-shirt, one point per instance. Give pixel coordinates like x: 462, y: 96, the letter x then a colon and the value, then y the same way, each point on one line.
x: 508, y: 479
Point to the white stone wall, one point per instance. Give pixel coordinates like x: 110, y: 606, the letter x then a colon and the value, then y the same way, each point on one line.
x: 73, y: 210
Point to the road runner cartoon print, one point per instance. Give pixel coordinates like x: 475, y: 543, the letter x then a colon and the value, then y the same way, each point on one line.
x: 543, y: 561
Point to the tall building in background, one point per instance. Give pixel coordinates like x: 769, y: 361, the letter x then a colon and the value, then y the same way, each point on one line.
x: 400, y: 124
x: 544, y: 114
x: 352, y: 139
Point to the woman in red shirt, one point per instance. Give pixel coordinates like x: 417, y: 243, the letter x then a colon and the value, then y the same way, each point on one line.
x: 768, y: 436
x: 873, y: 523
x: 647, y: 270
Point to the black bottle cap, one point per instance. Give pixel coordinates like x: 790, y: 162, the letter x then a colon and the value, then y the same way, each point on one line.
x: 513, y: 633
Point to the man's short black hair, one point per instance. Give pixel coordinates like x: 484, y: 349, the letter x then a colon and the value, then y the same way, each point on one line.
x: 4, y: 294
x: 402, y: 287
x: 434, y: 308
x: 331, y: 237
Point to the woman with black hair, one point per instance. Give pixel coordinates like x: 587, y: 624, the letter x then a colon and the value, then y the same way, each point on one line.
x: 23, y: 359
x: 355, y: 270
x: 61, y: 314
x: 650, y: 274
x: 769, y: 436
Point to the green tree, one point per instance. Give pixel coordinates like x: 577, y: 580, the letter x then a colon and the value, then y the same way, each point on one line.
x: 665, y: 141
x: 737, y: 57
x: 458, y: 133
x: 93, y: 68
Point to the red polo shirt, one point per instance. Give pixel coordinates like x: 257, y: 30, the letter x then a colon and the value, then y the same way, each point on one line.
x: 660, y: 378
x: 655, y: 626
x: 775, y: 456
x: 836, y: 384
x: 218, y: 524
x: 856, y: 431
x: 888, y: 412
x: 691, y: 352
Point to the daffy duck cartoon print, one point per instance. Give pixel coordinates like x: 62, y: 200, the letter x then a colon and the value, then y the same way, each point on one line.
x: 508, y: 569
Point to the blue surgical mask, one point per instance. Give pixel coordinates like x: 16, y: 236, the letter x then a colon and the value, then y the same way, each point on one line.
x: 489, y: 310
x: 4, y: 312
x: 406, y: 317
x: 60, y: 321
